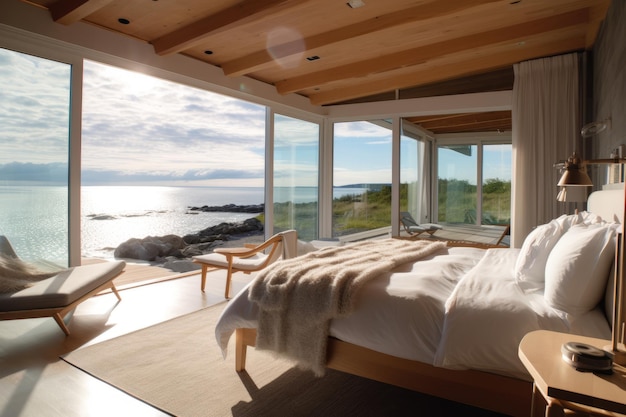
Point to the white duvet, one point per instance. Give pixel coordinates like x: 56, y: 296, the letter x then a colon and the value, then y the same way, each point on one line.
x: 460, y: 309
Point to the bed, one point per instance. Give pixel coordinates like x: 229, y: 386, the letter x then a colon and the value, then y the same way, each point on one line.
x: 449, y: 323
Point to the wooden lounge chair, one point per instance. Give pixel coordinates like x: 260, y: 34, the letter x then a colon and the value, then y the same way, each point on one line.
x: 415, y: 229
x: 58, y: 295
x: 248, y: 259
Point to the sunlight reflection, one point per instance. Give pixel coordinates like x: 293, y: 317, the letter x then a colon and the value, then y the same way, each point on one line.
x: 286, y: 46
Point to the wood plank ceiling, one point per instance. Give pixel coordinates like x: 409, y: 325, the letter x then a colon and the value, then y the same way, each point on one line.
x: 345, y: 51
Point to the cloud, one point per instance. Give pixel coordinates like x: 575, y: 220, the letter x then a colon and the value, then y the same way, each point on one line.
x: 138, y: 128
x: 111, y: 177
x: 55, y: 173
x: 34, y: 109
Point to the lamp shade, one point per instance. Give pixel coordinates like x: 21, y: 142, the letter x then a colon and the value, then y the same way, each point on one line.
x: 575, y: 177
x: 572, y: 194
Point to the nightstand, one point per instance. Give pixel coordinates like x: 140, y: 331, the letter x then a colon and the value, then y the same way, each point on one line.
x: 562, y: 386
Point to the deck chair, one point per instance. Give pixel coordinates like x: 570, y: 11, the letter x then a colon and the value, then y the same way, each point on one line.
x: 248, y: 259
x: 415, y: 229
x: 59, y: 294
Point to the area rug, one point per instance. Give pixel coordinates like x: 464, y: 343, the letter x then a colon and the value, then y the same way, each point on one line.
x: 177, y: 367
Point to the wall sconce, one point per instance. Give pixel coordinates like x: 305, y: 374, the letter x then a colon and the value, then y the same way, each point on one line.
x: 575, y: 175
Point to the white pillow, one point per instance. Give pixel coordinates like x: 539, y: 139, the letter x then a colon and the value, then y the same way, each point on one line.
x: 531, y: 262
x: 578, y: 268
x: 568, y: 220
x: 591, y: 218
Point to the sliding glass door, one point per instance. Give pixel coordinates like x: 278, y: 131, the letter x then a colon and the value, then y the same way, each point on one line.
x: 296, y: 176
x: 34, y: 156
x: 361, y: 178
x: 474, y: 182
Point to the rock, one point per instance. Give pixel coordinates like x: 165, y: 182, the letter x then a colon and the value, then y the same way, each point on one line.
x: 166, y: 249
x: 180, y: 266
x: 231, y: 208
x: 222, y: 231
x: 150, y: 248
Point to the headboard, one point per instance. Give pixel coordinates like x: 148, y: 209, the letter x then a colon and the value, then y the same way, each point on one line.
x: 608, y: 204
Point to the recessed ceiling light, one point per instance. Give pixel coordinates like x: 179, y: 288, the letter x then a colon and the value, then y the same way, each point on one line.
x: 355, y: 4
x: 312, y: 58
x: 123, y: 21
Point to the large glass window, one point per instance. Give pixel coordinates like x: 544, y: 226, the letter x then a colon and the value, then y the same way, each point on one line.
x: 153, y: 150
x: 457, y: 189
x: 296, y: 176
x: 34, y: 149
x: 496, y: 192
x: 361, y: 176
x: 474, y: 183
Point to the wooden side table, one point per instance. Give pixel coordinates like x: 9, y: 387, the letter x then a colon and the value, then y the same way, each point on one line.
x: 565, y: 388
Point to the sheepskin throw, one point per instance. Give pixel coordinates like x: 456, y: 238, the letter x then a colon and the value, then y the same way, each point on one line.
x: 298, y: 297
x: 16, y: 275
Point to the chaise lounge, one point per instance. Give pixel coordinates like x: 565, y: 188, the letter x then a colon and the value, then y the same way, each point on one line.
x: 61, y: 293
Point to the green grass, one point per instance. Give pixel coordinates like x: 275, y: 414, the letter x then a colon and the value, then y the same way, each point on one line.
x: 372, y: 209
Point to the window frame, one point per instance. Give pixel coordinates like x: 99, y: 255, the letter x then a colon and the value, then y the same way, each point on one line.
x: 477, y: 139
x: 59, y: 52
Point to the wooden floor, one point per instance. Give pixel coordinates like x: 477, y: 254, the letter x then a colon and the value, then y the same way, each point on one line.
x: 136, y: 274
x: 34, y: 382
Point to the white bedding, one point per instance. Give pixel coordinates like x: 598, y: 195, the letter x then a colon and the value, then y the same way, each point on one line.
x: 461, y: 308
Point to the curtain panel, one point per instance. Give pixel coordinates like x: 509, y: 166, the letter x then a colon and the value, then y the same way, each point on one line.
x: 545, y: 130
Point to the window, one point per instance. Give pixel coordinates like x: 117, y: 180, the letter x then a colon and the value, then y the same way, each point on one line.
x: 473, y: 182
x: 457, y: 179
x: 496, y: 191
x: 361, y: 176
x: 153, y: 148
x: 296, y: 176
x: 34, y: 149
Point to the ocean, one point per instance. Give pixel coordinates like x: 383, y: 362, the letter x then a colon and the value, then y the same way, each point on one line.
x: 34, y: 218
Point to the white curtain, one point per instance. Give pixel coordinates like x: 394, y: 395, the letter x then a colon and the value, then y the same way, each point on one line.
x: 546, y: 121
x: 421, y: 205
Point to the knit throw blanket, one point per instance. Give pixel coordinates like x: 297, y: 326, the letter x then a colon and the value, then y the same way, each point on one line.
x: 298, y: 297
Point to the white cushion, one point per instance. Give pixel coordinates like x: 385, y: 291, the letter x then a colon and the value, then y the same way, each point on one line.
x: 568, y: 220
x: 578, y: 268
x: 531, y: 262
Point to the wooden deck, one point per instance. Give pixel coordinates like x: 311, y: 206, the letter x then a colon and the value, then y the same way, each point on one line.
x: 488, y: 234
x: 491, y: 235
x: 136, y: 274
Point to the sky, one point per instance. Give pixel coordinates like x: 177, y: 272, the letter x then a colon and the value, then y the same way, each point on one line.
x: 140, y: 130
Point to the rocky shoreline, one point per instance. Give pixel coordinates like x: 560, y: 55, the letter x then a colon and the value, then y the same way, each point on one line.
x: 175, y: 252
x: 231, y: 208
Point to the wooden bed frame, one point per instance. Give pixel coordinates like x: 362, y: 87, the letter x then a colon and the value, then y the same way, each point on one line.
x: 485, y: 390
x: 479, y: 389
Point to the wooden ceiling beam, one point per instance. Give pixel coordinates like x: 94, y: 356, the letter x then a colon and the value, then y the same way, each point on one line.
x: 486, y: 127
x: 67, y: 12
x: 461, y: 119
x: 422, y: 54
x: 446, y: 71
x: 262, y: 59
x: 597, y: 12
x: 467, y: 124
x: 239, y: 14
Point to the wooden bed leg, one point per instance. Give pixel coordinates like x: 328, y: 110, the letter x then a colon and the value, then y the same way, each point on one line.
x: 240, y: 351
x: 61, y: 323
